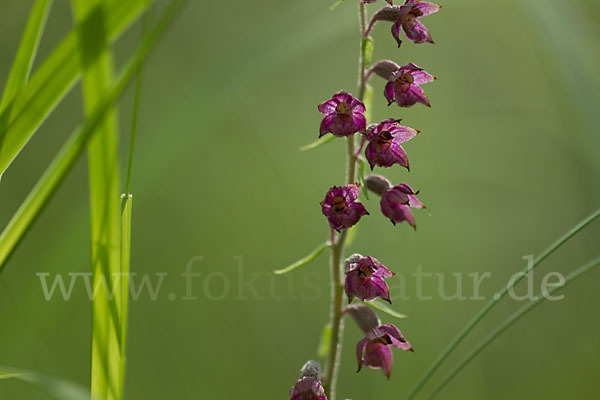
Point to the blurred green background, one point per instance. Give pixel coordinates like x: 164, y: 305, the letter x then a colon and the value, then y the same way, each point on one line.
x: 506, y: 162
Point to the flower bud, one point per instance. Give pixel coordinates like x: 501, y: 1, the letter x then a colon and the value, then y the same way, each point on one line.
x: 311, y: 369
x: 377, y: 184
x: 365, y: 318
x: 352, y: 259
x: 384, y: 68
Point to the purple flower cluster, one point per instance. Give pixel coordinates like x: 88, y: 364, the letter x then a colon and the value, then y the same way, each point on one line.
x: 344, y: 115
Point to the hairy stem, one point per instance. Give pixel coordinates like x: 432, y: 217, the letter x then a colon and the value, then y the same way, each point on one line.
x: 337, y: 321
x: 337, y: 247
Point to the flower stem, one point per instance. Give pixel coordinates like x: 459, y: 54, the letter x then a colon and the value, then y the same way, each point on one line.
x: 496, y: 298
x: 337, y: 247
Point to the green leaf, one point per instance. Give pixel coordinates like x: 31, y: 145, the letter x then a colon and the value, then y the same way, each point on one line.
x: 318, y: 143
x: 367, y: 50
x: 62, y: 163
x: 383, y: 307
x: 315, y: 253
x: 325, y: 342
x: 58, y: 389
x: 19, y: 73
x: 57, y: 75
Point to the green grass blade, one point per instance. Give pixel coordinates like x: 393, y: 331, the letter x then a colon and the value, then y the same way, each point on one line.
x: 496, y: 298
x: 508, y: 323
x: 57, y: 75
x: 55, y: 173
x: 303, y: 261
x: 56, y: 388
x: 19, y: 73
x: 381, y: 306
x: 126, y: 209
x: 103, y: 166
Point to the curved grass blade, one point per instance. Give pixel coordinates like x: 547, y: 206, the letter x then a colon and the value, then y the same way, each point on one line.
x: 19, y: 73
x: 508, y: 323
x: 318, y: 143
x: 381, y: 306
x: 315, y: 253
x: 56, y: 388
x: 496, y: 298
x: 62, y: 163
x: 56, y: 76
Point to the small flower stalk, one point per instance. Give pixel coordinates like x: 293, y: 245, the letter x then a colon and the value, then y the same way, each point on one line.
x: 363, y: 280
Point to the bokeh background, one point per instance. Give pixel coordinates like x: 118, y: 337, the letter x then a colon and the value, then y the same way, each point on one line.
x: 506, y: 162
